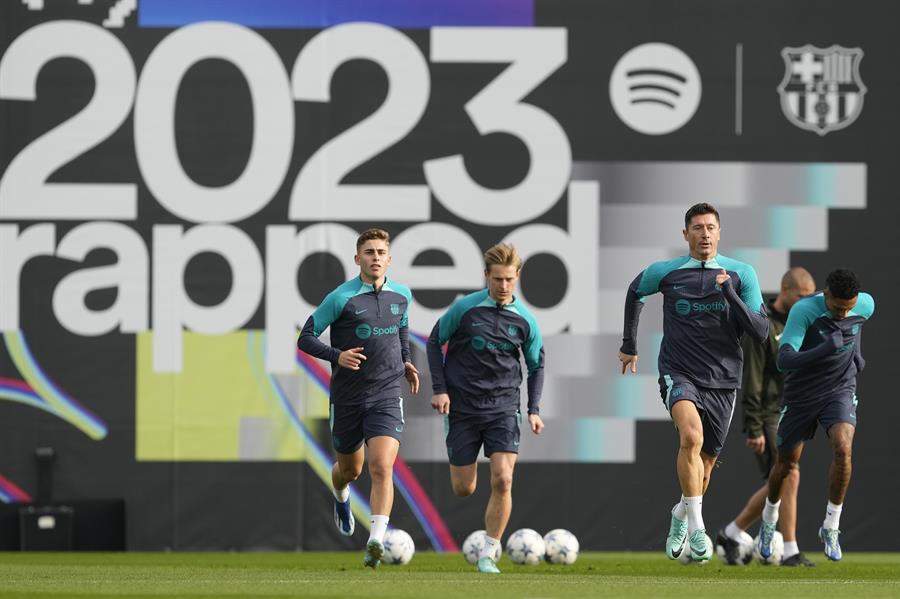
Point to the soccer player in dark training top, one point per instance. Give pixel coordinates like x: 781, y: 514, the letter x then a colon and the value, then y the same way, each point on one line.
x: 761, y: 395
x: 709, y: 302
x: 369, y: 354
x: 821, y: 357
x: 477, y: 387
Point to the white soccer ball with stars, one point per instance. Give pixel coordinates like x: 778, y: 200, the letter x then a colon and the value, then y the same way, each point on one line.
x: 399, y: 548
x: 525, y: 547
x: 777, y: 550
x: 745, y: 551
x: 473, y: 544
x: 685, y: 556
x: 560, y: 547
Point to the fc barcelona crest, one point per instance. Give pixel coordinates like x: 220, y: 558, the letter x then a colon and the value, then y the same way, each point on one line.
x: 821, y: 90
x: 395, y: 308
x: 513, y: 330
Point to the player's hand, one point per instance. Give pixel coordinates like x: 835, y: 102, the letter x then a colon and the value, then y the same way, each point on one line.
x: 351, y: 358
x: 722, y: 278
x: 441, y: 403
x: 835, y: 338
x: 537, y: 425
x: 628, y: 360
x: 412, y: 375
x: 757, y: 444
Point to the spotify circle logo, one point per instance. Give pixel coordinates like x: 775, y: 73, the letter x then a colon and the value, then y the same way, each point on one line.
x: 478, y: 342
x: 655, y: 88
x: 683, y: 306
x: 363, y: 331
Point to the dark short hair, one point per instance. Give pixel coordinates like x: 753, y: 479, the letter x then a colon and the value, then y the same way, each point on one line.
x: 697, y: 209
x: 842, y: 283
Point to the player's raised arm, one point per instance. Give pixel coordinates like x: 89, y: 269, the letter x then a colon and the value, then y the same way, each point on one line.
x: 748, y: 307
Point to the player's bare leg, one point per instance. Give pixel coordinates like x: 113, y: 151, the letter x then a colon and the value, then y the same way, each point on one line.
x: 382, y: 454
x: 841, y: 436
x: 463, y: 479
x: 788, y: 461
x: 693, y: 467
x: 345, y: 470
x: 499, y: 507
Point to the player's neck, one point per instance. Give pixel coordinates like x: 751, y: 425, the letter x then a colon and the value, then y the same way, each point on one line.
x: 778, y: 305
x: 376, y: 283
x: 703, y: 258
x: 500, y: 302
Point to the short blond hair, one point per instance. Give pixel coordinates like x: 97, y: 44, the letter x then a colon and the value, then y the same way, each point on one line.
x: 502, y: 254
x: 370, y: 234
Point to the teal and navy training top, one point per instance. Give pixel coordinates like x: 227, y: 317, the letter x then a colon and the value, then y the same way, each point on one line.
x: 482, y: 368
x: 702, y: 322
x: 820, y: 355
x: 361, y: 316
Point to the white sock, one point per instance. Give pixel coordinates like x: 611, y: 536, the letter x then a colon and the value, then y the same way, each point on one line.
x: 734, y: 532
x: 490, y: 544
x: 379, y: 527
x: 694, y: 507
x: 833, y: 516
x: 679, y: 510
x: 790, y: 548
x: 770, y: 511
x: 343, y: 495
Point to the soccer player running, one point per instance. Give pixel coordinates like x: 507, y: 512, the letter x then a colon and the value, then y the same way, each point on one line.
x: 820, y: 355
x: 709, y: 301
x: 477, y: 387
x: 761, y: 393
x: 369, y: 353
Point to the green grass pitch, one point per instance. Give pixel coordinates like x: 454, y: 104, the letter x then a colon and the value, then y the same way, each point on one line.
x: 339, y: 575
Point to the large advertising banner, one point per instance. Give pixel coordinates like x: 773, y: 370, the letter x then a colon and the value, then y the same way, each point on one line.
x: 182, y: 182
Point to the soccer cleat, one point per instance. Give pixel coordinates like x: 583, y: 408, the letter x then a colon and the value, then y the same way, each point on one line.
x: 798, y: 559
x: 487, y: 565
x: 829, y: 536
x: 701, y: 548
x: 343, y: 518
x: 374, y: 551
x: 730, y: 548
x: 766, y: 534
x: 676, y: 537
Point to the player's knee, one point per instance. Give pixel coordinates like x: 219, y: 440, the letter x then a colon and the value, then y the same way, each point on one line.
x: 691, y: 439
x: 501, y: 482
x: 350, y: 473
x: 381, y: 470
x: 793, y: 475
x: 842, y: 453
x: 463, y: 488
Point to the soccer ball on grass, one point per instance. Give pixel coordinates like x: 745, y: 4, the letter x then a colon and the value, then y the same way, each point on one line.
x: 399, y: 548
x: 560, y: 546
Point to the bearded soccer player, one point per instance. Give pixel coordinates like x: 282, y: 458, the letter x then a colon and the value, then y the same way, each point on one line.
x: 709, y: 302
x: 369, y: 354
x: 477, y: 387
x: 821, y: 357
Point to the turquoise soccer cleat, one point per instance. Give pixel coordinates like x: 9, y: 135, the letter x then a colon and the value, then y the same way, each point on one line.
x: 700, y: 547
x: 675, y: 539
x: 374, y: 552
x: 487, y: 565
